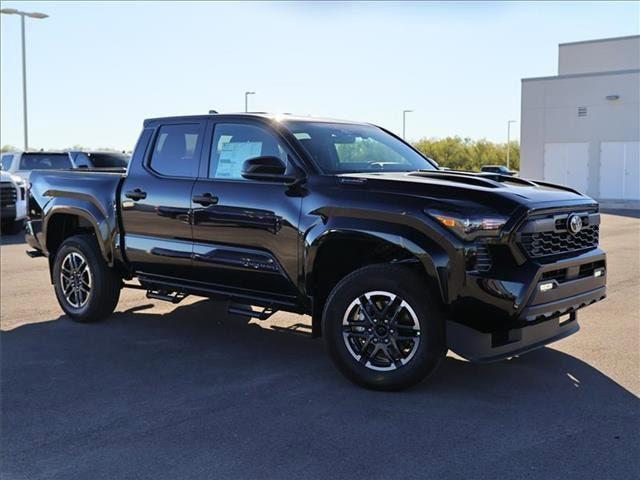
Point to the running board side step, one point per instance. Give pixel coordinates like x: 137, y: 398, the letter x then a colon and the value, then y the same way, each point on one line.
x: 247, y: 311
x: 172, y: 297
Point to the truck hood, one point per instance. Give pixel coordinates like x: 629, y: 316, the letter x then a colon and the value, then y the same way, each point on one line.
x: 501, y: 193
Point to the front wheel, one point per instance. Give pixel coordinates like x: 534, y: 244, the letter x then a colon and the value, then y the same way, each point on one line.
x: 384, y: 328
x: 86, y: 288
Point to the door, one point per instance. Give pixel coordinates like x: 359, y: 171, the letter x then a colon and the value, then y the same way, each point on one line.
x: 156, y: 199
x: 620, y: 170
x: 245, y: 231
x: 567, y: 164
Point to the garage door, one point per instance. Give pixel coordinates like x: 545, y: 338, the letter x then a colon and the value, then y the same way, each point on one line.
x: 567, y: 164
x: 620, y: 170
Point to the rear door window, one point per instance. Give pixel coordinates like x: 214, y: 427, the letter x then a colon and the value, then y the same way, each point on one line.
x: 176, y: 152
x: 44, y: 161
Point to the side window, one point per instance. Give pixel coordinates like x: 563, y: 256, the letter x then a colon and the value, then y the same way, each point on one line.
x: 6, y: 161
x: 235, y: 143
x: 175, y: 152
x: 82, y: 161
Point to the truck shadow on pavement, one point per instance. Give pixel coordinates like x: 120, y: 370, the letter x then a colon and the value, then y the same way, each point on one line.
x: 196, y: 393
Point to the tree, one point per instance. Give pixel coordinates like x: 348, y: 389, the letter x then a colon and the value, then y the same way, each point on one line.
x: 465, y: 154
x: 8, y: 148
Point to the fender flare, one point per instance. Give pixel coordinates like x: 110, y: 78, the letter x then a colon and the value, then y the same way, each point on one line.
x: 434, y: 259
x: 103, y: 225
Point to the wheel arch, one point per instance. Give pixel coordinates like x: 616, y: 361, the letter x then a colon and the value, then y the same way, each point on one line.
x: 337, y: 252
x: 73, y: 218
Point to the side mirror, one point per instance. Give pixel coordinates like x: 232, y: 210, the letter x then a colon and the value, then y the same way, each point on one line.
x: 267, y: 169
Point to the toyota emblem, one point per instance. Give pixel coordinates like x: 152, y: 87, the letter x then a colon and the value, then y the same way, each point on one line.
x: 574, y: 224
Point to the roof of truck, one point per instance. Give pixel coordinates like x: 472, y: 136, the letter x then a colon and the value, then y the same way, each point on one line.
x: 261, y: 115
x: 35, y: 152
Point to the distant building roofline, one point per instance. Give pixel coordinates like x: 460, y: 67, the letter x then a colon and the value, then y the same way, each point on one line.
x: 579, y: 75
x: 599, y: 40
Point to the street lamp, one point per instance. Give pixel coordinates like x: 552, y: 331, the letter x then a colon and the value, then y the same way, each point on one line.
x: 246, y: 100
x: 13, y: 11
x: 404, y: 122
x: 509, y: 140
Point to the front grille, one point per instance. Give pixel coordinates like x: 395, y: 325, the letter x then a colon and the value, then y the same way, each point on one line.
x: 543, y: 244
x: 8, y: 194
x: 547, y: 236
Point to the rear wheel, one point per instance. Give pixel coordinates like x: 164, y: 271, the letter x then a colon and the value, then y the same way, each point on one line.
x: 383, y: 327
x: 86, y: 288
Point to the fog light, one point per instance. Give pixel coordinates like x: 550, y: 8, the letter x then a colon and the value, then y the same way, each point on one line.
x: 545, y: 287
x: 598, y: 273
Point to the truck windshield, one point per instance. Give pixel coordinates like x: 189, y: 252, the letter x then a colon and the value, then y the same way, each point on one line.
x: 352, y: 148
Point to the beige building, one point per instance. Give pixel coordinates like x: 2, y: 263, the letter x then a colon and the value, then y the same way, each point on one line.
x: 581, y: 128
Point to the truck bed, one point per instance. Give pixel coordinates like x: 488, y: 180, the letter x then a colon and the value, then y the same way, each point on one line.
x: 90, y: 194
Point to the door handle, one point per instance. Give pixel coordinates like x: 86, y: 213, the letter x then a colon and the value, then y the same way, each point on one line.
x: 136, y: 194
x: 205, y: 199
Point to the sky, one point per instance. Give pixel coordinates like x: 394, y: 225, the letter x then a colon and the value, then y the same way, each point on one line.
x: 96, y: 70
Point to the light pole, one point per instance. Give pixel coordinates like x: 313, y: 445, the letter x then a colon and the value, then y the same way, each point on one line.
x: 13, y: 11
x: 246, y: 100
x: 509, y: 141
x: 404, y: 122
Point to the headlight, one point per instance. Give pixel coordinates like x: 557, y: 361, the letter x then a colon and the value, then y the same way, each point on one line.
x: 469, y: 227
x: 19, y: 181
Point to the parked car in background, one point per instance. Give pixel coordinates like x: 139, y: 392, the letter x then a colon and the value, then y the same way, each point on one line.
x: 13, y: 202
x: 395, y: 260
x: 501, y: 169
x: 22, y: 163
x: 97, y: 159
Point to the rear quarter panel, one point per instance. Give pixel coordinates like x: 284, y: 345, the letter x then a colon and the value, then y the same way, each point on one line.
x: 90, y: 195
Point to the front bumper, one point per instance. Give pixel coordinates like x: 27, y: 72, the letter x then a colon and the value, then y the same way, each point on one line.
x: 533, y: 313
x: 489, y: 347
x: 8, y: 213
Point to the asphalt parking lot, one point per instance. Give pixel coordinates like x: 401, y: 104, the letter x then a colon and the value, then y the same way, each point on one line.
x: 161, y: 391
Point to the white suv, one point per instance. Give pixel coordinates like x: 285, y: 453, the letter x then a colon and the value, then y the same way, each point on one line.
x: 13, y: 202
x: 21, y: 163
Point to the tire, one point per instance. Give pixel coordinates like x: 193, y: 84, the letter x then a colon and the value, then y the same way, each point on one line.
x: 101, y: 282
x: 408, y: 347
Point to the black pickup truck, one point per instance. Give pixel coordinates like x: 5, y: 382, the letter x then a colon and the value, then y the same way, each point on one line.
x: 395, y: 260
